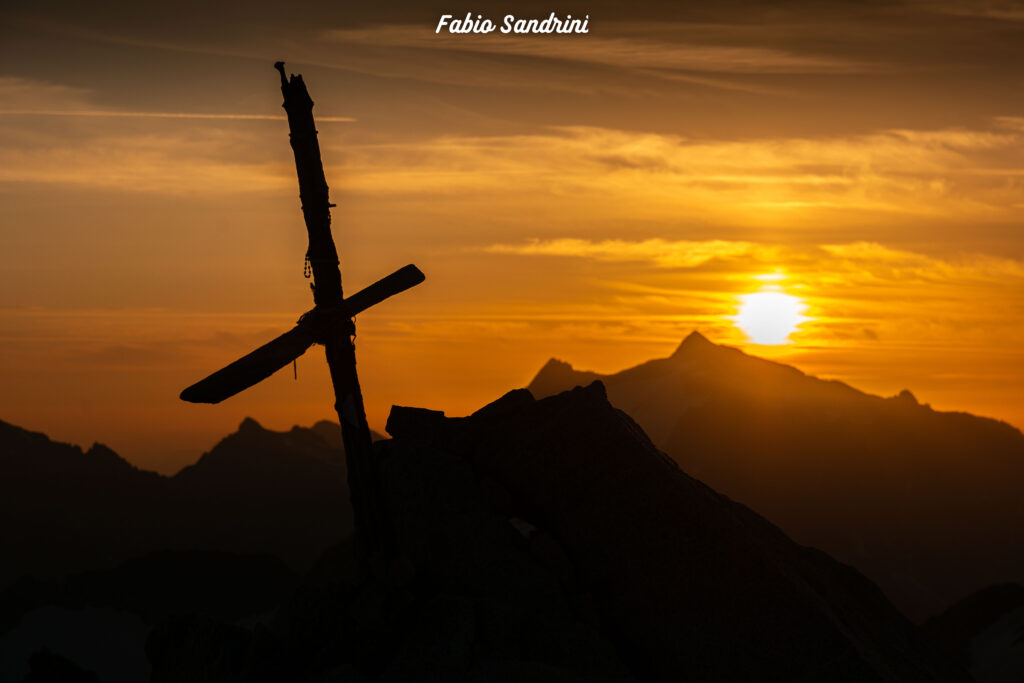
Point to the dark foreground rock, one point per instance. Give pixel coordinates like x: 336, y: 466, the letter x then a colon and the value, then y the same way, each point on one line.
x: 985, y: 633
x: 551, y: 541
x: 99, y: 620
x: 466, y: 597
x: 686, y: 582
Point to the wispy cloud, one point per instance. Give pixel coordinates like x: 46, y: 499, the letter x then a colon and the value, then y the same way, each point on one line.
x: 927, y: 173
x: 663, y: 253
x: 31, y: 97
x: 172, y: 163
x: 621, y: 52
x: 878, y: 261
x: 849, y: 285
x: 99, y: 148
x: 165, y: 115
x: 847, y: 259
x: 924, y: 172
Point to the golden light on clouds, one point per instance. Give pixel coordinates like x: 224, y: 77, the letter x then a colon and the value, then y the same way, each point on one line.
x: 594, y: 200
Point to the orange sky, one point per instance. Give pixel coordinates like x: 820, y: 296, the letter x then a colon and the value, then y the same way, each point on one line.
x: 593, y: 198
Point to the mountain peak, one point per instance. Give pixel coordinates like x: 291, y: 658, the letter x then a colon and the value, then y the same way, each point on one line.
x: 694, y: 340
x: 102, y: 453
x: 249, y: 424
x: 557, y: 365
x: 906, y: 398
x: 556, y: 376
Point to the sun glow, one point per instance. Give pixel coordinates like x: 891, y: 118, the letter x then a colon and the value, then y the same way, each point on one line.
x: 769, y: 316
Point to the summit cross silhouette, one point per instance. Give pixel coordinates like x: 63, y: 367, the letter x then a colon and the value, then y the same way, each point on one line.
x: 328, y: 323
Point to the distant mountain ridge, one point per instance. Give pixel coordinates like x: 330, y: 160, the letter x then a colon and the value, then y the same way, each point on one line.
x: 64, y: 510
x: 926, y: 503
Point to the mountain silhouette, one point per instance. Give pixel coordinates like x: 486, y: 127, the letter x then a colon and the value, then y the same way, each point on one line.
x: 66, y: 510
x: 926, y: 503
x: 551, y: 541
x: 544, y: 540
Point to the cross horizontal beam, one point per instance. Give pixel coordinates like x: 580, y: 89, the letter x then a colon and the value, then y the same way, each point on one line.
x: 274, y: 355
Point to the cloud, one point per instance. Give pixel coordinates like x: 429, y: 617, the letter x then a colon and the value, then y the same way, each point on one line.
x: 620, y: 52
x: 870, y: 261
x: 578, y: 170
x: 30, y: 94
x: 851, y: 283
x: 31, y: 97
x: 1012, y: 122
x: 845, y: 258
x: 127, y: 150
x: 583, y: 171
x: 166, y: 115
x: 927, y: 173
x: 663, y: 253
x: 172, y: 163
x: 52, y: 338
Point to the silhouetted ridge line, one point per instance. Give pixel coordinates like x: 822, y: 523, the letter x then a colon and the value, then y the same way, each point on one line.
x: 924, y: 502
x: 256, y: 491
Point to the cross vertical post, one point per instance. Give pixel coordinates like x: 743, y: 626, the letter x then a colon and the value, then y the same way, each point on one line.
x: 328, y: 296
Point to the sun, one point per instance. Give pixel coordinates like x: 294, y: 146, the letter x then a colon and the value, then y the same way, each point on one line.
x: 769, y: 316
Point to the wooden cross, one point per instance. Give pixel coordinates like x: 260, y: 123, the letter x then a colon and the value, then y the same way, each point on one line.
x: 329, y: 323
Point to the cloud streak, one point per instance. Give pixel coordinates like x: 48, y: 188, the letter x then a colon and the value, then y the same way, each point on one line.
x: 663, y: 253
x: 167, y: 115
x: 620, y: 52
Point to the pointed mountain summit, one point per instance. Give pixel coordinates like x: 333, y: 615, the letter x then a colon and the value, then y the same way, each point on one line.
x: 694, y: 342
x: 924, y: 502
x: 556, y: 375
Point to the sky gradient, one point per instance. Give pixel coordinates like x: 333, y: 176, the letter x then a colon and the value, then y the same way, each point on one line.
x: 593, y: 198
